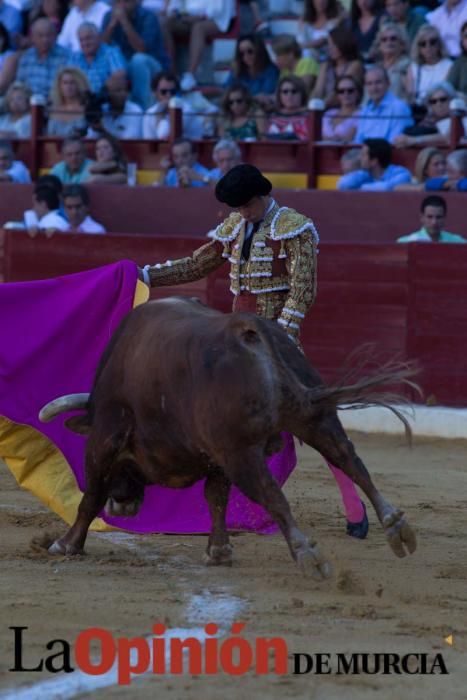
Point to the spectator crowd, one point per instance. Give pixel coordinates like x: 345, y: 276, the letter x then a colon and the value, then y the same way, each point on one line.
x: 387, y: 74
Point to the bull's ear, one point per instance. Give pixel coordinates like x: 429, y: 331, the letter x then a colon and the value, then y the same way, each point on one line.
x: 78, y: 424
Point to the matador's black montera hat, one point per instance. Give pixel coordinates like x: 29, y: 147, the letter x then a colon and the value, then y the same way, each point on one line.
x: 241, y: 184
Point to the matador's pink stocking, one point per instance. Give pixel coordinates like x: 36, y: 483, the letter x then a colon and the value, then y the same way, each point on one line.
x: 354, y: 509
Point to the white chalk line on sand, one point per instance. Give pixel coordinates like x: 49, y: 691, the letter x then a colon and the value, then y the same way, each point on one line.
x: 218, y: 606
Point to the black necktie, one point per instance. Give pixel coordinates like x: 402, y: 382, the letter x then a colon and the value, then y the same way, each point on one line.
x: 248, y: 239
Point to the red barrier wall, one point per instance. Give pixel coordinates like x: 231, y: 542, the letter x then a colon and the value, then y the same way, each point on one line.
x: 368, y: 217
x: 410, y: 300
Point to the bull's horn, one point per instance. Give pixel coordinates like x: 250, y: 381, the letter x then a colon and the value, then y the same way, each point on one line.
x: 70, y: 402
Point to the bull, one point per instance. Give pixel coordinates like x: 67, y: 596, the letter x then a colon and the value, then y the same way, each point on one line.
x: 183, y: 393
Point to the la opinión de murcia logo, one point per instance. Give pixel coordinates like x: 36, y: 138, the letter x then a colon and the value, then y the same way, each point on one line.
x: 234, y: 655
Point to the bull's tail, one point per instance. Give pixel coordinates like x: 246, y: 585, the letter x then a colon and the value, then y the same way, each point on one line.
x: 350, y: 393
x: 70, y: 402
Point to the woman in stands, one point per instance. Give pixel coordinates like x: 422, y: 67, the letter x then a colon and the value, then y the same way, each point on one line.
x: 8, y: 60
x: 429, y: 63
x: 241, y: 119
x: 458, y: 72
x: 319, y: 17
x: 110, y: 166
x: 16, y: 122
x: 290, y: 61
x: 431, y: 162
x: 365, y: 19
x: 289, y: 121
x: 390, y: 50
x: 344, y: 59
x: 68, y: 97
x: 435, y: 128
x: 340, y: 123
x: 253, y: 68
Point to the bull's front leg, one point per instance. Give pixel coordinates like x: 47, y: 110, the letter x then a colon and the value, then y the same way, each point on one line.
x: 92, y: 502
x: 247, y: 469
x: 216, y: 492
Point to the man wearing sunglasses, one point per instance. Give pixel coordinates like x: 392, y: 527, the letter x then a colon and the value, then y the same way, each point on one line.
x: 272, y: 255
x: 195, y: 108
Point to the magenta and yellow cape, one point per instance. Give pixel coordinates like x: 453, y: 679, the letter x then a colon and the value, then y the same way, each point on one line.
x: 52, y: 334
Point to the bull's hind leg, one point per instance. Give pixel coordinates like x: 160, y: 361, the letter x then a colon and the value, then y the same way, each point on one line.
x: 248, y: 471
x: 327, y: 435
x: 216, y: 492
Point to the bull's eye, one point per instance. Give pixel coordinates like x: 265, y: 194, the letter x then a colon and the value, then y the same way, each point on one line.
x: 250, y: 336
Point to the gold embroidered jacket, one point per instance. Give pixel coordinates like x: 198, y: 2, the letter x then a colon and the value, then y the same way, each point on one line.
x: 278, y: 281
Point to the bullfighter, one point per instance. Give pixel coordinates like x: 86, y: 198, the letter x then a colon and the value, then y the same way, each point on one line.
x: 272, y: 254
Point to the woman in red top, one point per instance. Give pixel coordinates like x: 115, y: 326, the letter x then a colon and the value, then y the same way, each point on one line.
x: 289, y: 121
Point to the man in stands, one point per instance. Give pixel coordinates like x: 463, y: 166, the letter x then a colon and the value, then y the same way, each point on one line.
x: 120, y: 116
x: 226, y: 155
x: 272, y: 255
x: 138, y: 34
x: 432, y: 217
x: 76, y: 206
x: 384, y: 115
x: 377, y: 174
x: 11, y: 170
x: 196, y: 110
x: 97, y: 61
x: 74, y: 168
x: 46, y: 204
x: 185, y: 170
x: 39, y: 65
x: 92, y: 11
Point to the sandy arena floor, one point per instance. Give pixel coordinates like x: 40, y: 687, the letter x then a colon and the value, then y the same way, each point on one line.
x: 374, y: 602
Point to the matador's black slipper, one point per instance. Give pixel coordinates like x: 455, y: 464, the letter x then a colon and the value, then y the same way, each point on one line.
x: 360, y: 529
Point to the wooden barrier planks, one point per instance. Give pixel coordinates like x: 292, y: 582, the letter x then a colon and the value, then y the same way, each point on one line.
x: 410, y: 300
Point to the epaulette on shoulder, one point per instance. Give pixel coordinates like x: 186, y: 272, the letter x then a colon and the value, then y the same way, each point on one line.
x: 229, y: 229
x: 288, y: 223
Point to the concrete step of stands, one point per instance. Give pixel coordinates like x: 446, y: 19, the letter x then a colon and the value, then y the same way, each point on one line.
x: 286, y: 7
x: 284, y: 25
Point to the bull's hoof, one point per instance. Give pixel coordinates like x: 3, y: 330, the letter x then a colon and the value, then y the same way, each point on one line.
x: 64, y: 549
x: 312, y: 562
x: 218, y: 556
x: 122, y: 509
x: 400, y: 535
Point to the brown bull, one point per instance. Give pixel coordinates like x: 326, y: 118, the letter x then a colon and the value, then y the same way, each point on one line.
x: 184, y: 393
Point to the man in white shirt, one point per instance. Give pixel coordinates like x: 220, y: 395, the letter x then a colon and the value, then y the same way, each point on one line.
x: 92, y: 11
x: 46, y: 203
x: 448, y: 20
x: 76, y: 206
x: 121, y: 117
